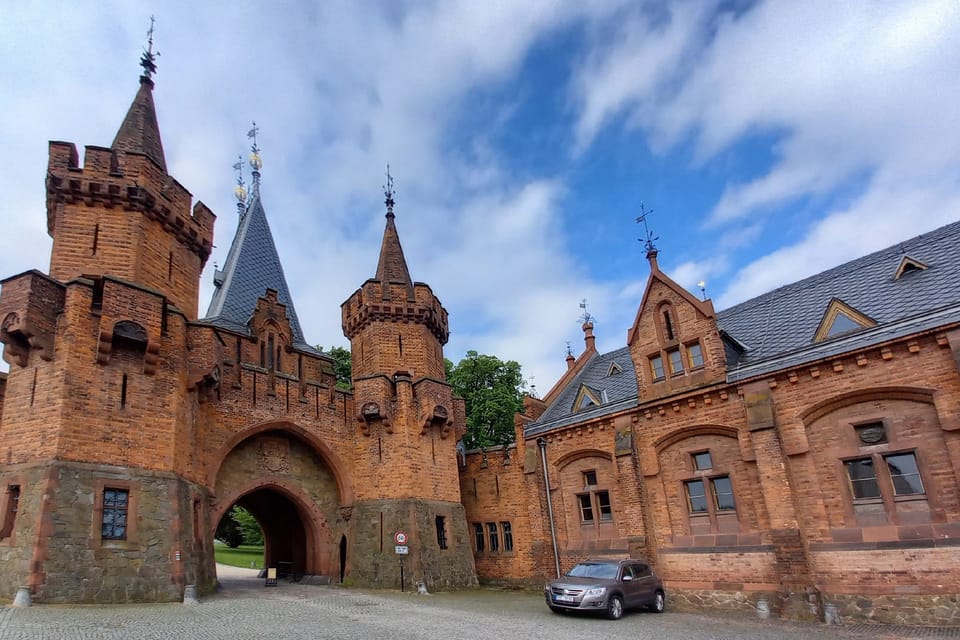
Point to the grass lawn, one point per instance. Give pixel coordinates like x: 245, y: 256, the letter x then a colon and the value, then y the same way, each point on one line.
x: 242, y: 556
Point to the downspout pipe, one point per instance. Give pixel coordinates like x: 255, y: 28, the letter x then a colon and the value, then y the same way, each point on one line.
x: 542, y: 443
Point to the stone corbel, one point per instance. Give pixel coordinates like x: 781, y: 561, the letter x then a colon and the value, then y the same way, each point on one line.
x: 19, y: 338
x: 205, y: 382
x: 439, y: 417
x: 369, y: 413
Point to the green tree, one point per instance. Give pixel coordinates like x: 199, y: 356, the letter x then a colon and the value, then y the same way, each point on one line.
x: 249, y: 527
x: 493, y: 392
x: 342, y: 366
x: 228, y: 531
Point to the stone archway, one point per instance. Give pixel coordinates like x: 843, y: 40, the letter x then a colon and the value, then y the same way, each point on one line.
x: 291, y: 491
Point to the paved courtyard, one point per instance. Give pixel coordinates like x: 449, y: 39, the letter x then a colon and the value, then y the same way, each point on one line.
x: 245, y: 609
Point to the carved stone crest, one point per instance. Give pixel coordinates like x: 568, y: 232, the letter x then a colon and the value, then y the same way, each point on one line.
x: 273, y: 455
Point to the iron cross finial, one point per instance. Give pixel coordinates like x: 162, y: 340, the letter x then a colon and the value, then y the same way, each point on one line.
x: 388, y: 192
x: 149, y: 58
x: 648, y: 240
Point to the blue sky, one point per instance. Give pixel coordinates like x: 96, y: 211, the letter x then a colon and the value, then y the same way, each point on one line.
x: 771, y: 139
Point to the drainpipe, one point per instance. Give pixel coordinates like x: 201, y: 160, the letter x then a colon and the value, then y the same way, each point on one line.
x: 542, y: 442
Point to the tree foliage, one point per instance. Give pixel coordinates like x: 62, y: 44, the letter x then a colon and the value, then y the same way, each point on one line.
x: 238, y: 526
x: 342, y: 366
x: 492, y: 390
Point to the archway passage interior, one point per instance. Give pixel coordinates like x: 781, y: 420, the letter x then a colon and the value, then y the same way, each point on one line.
x: 286, y: 537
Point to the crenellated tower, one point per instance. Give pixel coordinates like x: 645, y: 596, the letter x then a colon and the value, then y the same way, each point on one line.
x: 97, y: 432
x: 120, y: 214
x: 409, y: 423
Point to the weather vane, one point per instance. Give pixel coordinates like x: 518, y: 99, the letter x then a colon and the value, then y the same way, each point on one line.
x: 388, y: 192
x: 256, y: 162
x: 648, y: 243
x: 585, y: 317
x: 148, y: 59
x: 240, y: 191
x: 569, y: 350
x: 703, y: 289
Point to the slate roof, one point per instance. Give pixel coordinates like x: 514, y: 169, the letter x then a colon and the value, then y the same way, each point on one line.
x: 619, y: 391
x: 252, y: 266
x: 776, y: 330
x: 139, y: 131
x: 778, y: 327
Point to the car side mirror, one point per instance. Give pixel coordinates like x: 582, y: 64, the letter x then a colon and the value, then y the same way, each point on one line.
x: 627, y: 578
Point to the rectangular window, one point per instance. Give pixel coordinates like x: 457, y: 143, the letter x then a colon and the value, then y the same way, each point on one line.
x: 904, y: 474
x: 723, y: 493
x: 10, y: 514
x: 586, y: 507
x: 696, y: 496
x: 494, y: 538
x: 441, y: 532
x: 478, y: 536
x: 603, y: 506
x: 656, y: 367
x: 507, y: 536
x: 676, y: 362
x: 589, y: 478
x: 113, y: 523
x: 695, y: 355
x: 702, y: 461
x: 863, y: 478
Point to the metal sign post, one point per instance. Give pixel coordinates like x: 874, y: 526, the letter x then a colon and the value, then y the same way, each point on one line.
x: 401, y: 549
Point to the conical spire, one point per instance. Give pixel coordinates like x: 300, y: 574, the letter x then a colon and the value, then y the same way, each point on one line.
x: 392, y: 266
x: 140, y: 132
x: 252, y: 267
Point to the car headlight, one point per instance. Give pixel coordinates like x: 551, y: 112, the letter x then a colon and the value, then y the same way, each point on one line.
x: 596, y: 591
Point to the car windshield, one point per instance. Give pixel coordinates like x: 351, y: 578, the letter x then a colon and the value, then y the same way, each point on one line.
x: 589, y: 570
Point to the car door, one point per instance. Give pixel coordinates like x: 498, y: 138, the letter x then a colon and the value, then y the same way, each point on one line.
x: 644, y: 583
x: 629, y: 585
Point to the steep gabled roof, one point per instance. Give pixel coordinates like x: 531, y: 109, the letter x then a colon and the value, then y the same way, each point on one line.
x: 778, y: 327
x: 252, y: 267
x: 392, y: 266
x: 616, y: 392
x: 776, y: 330
x: 139, y: 132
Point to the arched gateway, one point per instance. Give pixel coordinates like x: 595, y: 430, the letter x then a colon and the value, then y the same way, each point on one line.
x: 119, y: 471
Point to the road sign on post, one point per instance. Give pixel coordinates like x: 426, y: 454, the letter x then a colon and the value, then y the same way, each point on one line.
x: 402, y: 549
x: 400, y: 538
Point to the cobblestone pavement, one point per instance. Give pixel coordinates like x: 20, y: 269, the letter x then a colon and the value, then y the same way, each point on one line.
x: 245, y: 609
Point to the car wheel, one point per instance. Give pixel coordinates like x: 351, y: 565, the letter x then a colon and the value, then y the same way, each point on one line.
x: 615, y: 607
x: 659, y: 602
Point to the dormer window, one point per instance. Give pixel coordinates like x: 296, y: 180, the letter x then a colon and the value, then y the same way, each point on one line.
x: 908, y: 265
x: 587, y: 398
x: 615, y: 369
x: 839, y: 319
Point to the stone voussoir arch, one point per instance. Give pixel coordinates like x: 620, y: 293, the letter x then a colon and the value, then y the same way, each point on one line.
x: 825, y: 407
x: 332, y: 460
x: 684, y: 433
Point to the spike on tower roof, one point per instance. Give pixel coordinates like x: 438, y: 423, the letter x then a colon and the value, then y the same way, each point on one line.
x: 252, y: 266
x: 139, y: 132
x: 392, y: 266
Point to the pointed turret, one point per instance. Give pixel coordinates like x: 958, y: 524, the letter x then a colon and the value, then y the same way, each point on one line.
x: 252, y: 267
x: 393, y: 323
x: 140, y: 132
x: 392, y: 266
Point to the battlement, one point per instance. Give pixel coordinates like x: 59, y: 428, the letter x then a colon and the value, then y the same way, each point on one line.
x: 128, y: 180
x: 390, y: 302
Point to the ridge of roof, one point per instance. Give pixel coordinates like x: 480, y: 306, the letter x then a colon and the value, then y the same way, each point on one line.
x: 252, y: 266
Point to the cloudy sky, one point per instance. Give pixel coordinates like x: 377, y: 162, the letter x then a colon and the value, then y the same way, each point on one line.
x: 771, y: 139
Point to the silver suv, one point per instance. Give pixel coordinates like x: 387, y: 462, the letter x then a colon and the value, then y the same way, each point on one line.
x: 607, y: 586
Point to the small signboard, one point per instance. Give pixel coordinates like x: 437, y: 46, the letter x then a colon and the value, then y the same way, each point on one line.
x: 402, y: 549
x: 400, y: 538
x: 271, y: 577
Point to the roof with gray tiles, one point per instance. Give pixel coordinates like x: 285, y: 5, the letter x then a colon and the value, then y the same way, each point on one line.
x: 617, y: 391
x: 776, y: 330
x: 252, y: 267
x: 779, y: 326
